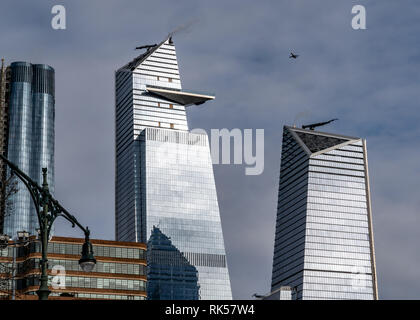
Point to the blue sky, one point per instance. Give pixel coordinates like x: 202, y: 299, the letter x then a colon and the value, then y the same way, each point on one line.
x: 239, y: 50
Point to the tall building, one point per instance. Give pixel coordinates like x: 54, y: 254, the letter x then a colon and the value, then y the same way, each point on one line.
x: 324, y: 239
x: 119, y: 273
x: 164, y: 173
x: 30, y: 137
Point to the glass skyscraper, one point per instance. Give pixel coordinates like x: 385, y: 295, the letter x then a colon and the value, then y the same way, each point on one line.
x: 30, y: 137
x: 164, y: 173
x: 324, y: 239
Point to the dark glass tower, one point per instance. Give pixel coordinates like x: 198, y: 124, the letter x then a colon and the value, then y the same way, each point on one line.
x: 30, y: 137
x: 324, y: 238
x: 170, y: 275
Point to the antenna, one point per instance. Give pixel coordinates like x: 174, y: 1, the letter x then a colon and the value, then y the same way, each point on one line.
x: 319, y: 124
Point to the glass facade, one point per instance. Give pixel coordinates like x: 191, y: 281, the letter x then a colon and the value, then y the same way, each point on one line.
x: 164, y: 174
x: 170, y: 275
x: 31, y: 138
x: 119, y: 273
x: 324, y: 239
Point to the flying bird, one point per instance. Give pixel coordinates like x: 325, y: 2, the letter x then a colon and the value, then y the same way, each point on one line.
x: 294, y: 56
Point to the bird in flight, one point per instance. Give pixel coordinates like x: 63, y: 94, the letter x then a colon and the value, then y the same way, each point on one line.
x: 294, y: 56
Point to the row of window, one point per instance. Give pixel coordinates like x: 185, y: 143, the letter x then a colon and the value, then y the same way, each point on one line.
x: 75, y: 249
x: 73, y: 265
x: 85, y: 282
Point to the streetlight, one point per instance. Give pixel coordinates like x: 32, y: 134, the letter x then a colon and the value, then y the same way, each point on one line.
x: 87, y: 261
x: 48, y: 209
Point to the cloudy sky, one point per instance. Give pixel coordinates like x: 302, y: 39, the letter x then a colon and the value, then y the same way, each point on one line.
x: 369, y: 79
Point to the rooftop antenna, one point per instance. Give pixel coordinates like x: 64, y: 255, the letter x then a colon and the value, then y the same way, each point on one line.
x: 319, y: 124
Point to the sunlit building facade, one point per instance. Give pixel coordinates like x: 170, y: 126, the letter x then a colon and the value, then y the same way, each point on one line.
x: 324, y: 244
x: 164, y: 173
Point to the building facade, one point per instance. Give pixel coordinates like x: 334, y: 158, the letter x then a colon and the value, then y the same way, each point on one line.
x: 4, y: 102
x: 324, y: 244
x: 170, y: 275
x: 164, y: 173
x: 119, y: 273
x: 30, y: 137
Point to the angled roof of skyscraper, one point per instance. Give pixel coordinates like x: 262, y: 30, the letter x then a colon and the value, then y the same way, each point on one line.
x: 315, y: 141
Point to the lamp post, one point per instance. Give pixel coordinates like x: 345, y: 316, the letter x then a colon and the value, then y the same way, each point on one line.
x: 48, y: 209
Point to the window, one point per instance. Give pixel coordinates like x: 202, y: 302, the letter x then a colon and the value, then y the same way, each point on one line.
x: 172, y: 125
x: 171, y: 106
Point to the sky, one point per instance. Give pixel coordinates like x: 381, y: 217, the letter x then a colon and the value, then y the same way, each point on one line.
x: 239, y: 50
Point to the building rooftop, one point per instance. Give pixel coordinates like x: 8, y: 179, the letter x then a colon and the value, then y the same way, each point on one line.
x: 316, y: 141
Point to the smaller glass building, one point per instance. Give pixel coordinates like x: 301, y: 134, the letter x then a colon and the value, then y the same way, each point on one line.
x: 119, y: 273
x: 324, y: 244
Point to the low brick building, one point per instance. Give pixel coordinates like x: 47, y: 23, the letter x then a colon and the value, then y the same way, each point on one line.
x: 119, y: 273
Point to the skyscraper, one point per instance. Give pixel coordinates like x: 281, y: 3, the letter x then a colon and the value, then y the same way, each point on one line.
x: 30, y: 137
x: 324, y: 239
x: 164, y: 173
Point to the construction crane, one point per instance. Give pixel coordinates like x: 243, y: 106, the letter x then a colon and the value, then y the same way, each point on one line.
x: 319, y: 124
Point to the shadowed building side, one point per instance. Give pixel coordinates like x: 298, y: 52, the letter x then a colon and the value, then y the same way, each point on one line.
x: 170, y: 275
x: 4, y: 101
